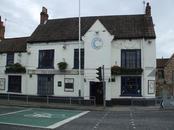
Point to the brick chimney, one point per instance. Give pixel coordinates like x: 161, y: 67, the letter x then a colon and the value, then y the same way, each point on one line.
x: 2, y: 30
x: 43, y: 15
x: 148, y: 10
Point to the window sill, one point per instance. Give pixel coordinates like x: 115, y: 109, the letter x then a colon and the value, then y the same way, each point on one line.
x: 46, y: 68
x: 130, y: 95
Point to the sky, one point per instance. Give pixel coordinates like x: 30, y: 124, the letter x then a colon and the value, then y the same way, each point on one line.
x: 23, y: 16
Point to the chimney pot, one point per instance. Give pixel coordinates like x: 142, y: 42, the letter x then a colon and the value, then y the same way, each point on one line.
x: 2, y: 30
x: 43, y: 15
x: 148, y: 10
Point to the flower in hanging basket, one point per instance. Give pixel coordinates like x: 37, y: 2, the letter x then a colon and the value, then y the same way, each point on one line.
x: 15, y: 68
x: 62, y: 65
x: 116, y: 70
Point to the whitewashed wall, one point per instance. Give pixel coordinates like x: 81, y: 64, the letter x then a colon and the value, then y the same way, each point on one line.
x: 60, y: 54
x: 18, y: 58
x: 148, y: 62
x: 95, y: 58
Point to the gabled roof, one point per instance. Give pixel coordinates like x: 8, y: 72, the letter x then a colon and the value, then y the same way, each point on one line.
x: 122, y: 27
x: 13, y: 45
x: 161, y: 63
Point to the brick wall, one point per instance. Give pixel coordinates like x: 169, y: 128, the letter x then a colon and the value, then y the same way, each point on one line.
x: 165, y: 87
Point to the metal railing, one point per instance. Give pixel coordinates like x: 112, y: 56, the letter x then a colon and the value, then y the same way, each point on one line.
x: 29, y: 99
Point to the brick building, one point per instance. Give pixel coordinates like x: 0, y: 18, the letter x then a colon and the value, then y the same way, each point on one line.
x: 165, y: 76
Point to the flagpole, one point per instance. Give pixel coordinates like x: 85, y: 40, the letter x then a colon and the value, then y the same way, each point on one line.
x: 79, y: 48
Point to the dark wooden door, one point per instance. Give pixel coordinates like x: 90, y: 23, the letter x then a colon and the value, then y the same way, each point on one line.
x: 14, y: 84
x: 45, y: 85
x: 96, y: 90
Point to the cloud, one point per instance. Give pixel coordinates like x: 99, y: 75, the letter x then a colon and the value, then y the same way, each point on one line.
x: 165, y: 46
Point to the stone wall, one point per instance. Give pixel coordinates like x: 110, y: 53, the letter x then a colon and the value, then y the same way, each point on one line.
x: 165, y: 87
x: 169, y: 71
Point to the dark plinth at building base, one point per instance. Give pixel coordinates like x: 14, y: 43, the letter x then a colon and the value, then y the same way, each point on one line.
x: 136, y: 102
x: 79, y: 100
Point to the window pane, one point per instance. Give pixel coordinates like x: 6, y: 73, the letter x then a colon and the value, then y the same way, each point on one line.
x: 160, y: 74
x: 76, y: 58
x: 46, y: 59
x: 10, y: 58
x: 131, y: 85
x: 131, y: 59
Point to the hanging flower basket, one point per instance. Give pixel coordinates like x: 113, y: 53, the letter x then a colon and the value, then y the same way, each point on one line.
x: 116, y: 70
x: 62, y: 66
x: 15, y: 68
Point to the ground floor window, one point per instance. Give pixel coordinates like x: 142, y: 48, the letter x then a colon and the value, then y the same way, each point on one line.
x: 69, y: 84
x: 14, y: 84
x: 45, y: 85
x: 131, y: 86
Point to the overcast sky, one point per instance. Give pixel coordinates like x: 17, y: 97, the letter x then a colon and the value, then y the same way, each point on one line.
x: 22, y: 16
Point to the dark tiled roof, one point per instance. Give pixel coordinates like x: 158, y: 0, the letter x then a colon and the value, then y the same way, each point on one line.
x: 161, y: 63
x: 13, y: 45
x: 122, y: 27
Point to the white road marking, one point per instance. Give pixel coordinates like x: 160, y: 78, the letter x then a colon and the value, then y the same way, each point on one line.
x: 66, y: 120
x: 100, y: 121
x: 131, y: 121
x: 17, y: 124
x: 15, y: 112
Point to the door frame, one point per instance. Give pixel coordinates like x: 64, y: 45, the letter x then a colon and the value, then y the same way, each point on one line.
x: 99, y: 89
x: 19, y: 76
x: 46, y: 93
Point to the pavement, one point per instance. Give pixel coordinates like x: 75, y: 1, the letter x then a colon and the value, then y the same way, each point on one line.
x: 79, y: 107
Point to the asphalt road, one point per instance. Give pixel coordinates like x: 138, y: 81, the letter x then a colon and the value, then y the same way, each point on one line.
x: 107, y: 120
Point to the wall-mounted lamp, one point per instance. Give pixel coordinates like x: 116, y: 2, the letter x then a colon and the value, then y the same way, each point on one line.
x: 97, y: 32
x: 30, y: 75
x: 149, y: 42
x: 28, y: 52
x: 64, y: 47
x: 109, y: 80
x: 19, y: 54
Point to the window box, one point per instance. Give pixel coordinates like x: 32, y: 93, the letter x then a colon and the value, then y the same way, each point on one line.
x: 15, y: 68
x: 116, y: 70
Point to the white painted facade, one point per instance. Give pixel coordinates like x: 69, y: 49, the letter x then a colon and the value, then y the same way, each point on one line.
x: 108, y: 55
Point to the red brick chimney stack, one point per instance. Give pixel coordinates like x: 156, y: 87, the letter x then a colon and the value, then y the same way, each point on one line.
x: 148, y: 9
x: 2, y: 30
x: 43, y: 15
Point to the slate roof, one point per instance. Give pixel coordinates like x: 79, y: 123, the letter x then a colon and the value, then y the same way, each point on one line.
x: 161, y: 63
x: 13, y: 45
x: 122, y: 27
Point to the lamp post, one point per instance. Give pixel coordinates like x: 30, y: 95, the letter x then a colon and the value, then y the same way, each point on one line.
x: 79, y: 46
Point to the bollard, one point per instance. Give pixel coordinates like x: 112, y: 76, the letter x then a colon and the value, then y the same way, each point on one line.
x: 27, y: 99
x: 47, y: 100
x: 70, y: 100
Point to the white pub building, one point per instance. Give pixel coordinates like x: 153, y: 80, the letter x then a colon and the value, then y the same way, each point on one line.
x: 47, y: 62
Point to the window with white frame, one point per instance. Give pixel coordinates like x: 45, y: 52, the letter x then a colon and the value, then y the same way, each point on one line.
x: 69, y: 84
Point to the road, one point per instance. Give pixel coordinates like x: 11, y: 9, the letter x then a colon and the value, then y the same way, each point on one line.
x: 115, y: 120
